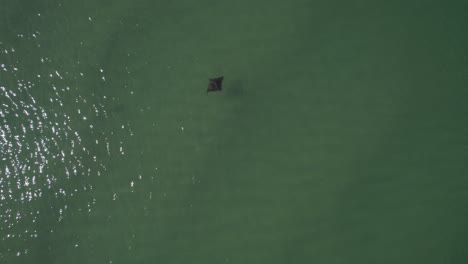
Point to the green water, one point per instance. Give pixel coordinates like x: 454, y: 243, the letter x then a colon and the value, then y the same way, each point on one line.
x: 340, y: 135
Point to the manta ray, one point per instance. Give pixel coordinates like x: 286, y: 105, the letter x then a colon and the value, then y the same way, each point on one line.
x: 215, y: 84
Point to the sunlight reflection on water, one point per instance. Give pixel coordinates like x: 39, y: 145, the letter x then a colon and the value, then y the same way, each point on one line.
x: 48, y: 147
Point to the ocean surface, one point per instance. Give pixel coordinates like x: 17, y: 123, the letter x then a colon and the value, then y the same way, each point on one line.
x: 340, y: 136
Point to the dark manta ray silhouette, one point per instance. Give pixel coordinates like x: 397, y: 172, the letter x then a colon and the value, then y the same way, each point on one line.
x: 215, y: 84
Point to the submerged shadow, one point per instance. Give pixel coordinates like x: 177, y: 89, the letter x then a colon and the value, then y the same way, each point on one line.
x: 236, y: 88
